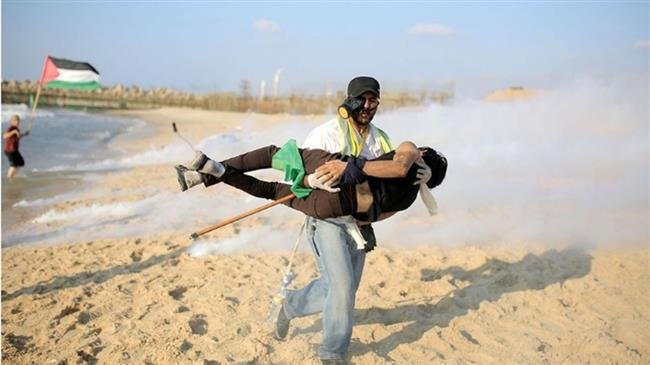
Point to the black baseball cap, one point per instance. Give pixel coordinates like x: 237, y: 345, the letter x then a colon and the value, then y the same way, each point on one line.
x: 361, y: 84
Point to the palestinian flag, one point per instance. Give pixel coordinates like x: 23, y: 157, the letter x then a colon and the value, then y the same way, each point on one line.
x: 59, y: 73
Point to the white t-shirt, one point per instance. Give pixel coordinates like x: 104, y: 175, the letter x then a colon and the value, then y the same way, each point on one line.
x: 329, y: 137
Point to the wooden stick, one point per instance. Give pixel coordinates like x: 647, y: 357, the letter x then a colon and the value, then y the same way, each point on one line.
x: 228, y: 221
x: 31, y: 115
x: 38, y: 93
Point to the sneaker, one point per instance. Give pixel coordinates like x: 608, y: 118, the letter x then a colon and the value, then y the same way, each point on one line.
x: 187, y: 178
x: 281, y: 325
x: 199, y: 160
x: 193, y: 178
x: 180, y: 171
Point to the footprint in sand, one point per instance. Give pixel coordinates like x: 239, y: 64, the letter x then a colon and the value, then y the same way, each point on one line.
x: 177, y: 293
x: 68, y: 310
x: 185, y: 346
x: 137, y: 255
x: 244, y: 330
x: 233, y: 300
x: 182, y: 309
x: 84, y: 317
x: 198, y: 324
x: 90, y: 357
x: 20, y: 343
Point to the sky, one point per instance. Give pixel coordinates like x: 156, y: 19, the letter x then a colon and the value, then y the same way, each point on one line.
x: 207, y: 47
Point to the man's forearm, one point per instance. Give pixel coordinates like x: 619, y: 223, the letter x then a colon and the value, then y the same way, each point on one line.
x: 387, y: 169
x: 334, y: 170
x: 405, y: 156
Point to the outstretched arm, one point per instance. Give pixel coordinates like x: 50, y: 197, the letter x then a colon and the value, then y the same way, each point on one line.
x: 6, y: 135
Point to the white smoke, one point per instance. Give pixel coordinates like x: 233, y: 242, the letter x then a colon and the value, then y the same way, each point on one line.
x: 569, y: 167
x: 267, y: 238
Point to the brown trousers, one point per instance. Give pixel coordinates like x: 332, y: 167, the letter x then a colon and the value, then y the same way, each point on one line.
x: 319, y: 204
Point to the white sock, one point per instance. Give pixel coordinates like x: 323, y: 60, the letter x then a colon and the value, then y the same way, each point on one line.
x: 213, y: 168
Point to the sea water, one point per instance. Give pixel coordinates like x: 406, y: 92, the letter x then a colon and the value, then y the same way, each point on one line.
x: 60, y: 142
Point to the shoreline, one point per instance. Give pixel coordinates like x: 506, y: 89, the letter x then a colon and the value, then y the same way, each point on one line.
x: 153, y: 136
x: 40, y: 184
x: 196, y: 124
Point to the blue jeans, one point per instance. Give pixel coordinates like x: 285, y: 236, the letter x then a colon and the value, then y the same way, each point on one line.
x: 340, y: 265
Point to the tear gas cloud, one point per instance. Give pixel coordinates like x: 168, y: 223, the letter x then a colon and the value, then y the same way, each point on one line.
x: 568, y: 167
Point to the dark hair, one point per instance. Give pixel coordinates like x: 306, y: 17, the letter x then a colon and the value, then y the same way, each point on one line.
x: 438, y: 165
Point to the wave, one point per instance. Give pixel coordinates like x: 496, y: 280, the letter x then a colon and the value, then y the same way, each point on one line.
x: 218, y: 146
x: 94, y: 211
x: 44, y: 201
x: 23, y: 111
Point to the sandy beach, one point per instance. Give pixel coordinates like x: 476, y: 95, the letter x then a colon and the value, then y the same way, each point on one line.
x: 143, y: 300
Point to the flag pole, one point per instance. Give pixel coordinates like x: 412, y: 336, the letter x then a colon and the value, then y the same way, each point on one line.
x: 31, y: 115
x: 38, y: 94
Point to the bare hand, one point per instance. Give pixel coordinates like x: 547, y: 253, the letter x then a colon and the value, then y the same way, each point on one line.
x: 330, y: 172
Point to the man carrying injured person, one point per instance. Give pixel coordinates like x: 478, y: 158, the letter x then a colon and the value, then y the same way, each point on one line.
x: 338, y: 252
x: 368, y: 190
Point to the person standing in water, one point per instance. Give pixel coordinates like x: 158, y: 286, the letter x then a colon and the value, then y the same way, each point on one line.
x: 11, y: 143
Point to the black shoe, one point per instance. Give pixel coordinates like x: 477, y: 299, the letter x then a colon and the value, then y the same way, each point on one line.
x: 281, y: 325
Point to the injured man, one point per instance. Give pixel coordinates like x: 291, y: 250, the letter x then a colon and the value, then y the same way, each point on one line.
x: 369, y: 190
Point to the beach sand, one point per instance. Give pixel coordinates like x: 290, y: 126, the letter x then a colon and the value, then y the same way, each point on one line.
x: 144, y: 300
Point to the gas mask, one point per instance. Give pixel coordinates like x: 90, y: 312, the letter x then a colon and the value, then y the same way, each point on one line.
x: 351, y: 107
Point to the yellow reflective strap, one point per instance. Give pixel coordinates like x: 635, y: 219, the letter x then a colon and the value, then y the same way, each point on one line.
x: 384, y: 141
x: 355, y: 145
x: 344, y: 144
x: 349, y: 142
